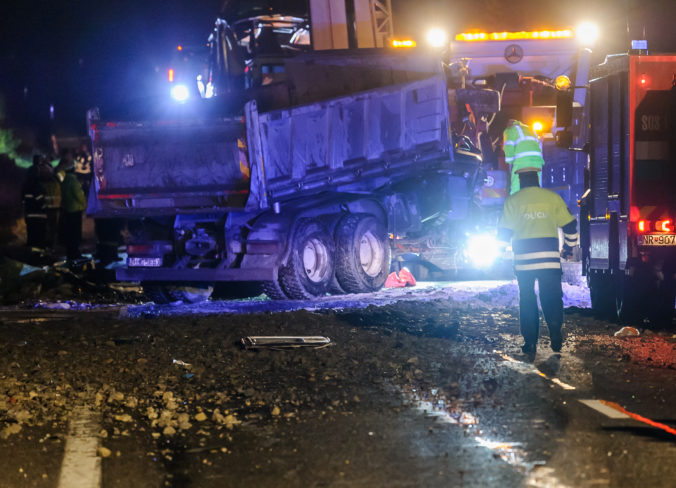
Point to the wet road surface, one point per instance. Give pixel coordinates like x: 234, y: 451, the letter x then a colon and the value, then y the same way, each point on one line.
x: 431, y: 390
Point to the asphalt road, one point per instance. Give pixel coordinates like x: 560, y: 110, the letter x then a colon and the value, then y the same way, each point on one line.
x: 427, y: 391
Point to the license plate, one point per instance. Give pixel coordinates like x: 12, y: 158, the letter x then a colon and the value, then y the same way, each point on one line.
x: 133, y: 262
x: 657, y: 240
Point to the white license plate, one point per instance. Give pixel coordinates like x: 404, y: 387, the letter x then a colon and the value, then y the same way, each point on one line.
x: 657, y: 240
x: 133, y: 262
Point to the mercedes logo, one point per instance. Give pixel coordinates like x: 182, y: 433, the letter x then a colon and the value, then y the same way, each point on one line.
x: 513, y: 53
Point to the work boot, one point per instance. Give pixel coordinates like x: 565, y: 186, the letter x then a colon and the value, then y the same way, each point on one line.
x: 528, y: 348
x: 556, y: 341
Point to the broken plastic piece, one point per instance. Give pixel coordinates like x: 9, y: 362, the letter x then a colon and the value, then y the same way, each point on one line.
x: 404, y: 278
x: 393, y: 281
x: 284, y: 342
x: 407, y: 277
x: 627, y: 332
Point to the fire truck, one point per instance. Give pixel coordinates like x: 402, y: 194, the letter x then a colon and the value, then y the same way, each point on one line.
x: 628, y: 239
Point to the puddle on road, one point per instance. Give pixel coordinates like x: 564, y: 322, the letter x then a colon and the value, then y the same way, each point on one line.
x: 510, y: 452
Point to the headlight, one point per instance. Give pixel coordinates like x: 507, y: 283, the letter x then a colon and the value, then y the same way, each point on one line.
x: 437, y: 37
x: 482, y: 250
x: 180, y: 93
x: 587, y: 33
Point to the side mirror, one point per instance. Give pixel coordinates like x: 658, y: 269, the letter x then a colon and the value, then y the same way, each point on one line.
x: 564, y: 138
x: 564, y: 108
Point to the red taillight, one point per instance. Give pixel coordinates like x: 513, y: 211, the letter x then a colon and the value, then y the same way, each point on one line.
x: 664, y: 226
x: 171, y: 76
x: 643, y: 80
x: 641, y: 225
x: 134, y: 249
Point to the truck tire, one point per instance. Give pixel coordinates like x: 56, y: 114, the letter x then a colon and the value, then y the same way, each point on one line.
x: 602, y: 294
x: 274, y: 290
x: 362, y: 253
x: 627, y: 299
x: 310, y: 267
x: 661, y: 311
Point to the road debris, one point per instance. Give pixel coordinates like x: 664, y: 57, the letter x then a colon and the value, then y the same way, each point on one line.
x: 627, y: 332
x: 401, y: 279
x: 284, y: 342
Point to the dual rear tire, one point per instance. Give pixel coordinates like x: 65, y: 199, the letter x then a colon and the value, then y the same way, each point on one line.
x: 630, y: 299
x: 355, y: 259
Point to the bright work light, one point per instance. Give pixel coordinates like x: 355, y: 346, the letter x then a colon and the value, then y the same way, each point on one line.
x: 437, y: 37
x: 587, y: 33
x: 180, y: 93
x: 482, y: 250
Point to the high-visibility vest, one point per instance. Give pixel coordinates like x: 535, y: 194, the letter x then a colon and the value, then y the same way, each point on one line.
x: 533, y: 217
x: 522, y: 150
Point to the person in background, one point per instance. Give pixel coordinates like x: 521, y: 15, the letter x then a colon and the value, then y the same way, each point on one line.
x: 522, y: 152
x: 52, y: 190
x: 34, y: 205
x: 73, y: 203
x: 531, y: 218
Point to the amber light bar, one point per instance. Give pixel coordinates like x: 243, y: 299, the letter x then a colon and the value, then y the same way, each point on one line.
x: 512, y: 36
x: 403, y: 43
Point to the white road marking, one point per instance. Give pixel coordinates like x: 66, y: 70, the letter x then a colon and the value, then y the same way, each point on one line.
x: 563, y: 385
x: 605, y: 409
x: 81, y: 467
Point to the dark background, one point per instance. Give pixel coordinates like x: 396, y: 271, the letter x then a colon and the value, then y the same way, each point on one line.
x: 76, y: 54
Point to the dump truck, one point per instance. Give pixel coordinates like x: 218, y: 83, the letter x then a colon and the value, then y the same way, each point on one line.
x: 300, y: 185
x: 627, y: 232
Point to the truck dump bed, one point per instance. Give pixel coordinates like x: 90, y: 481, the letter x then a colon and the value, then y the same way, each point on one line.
x: 347, y: 143
x: 348, y: 139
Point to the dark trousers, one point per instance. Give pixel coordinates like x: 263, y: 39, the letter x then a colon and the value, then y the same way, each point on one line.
x: 71, y: 224
x: 551, y: 300
x: 52, y: 227
x: 35, y: 230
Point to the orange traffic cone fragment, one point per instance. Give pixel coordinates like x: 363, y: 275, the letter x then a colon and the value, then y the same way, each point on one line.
x: 407, y: 277
x: 393, y: 281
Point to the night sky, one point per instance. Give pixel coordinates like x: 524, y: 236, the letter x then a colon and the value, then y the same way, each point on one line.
x: 78, y: 54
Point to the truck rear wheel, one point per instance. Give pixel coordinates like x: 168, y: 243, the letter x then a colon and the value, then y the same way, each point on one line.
x: 362, y: 253
x: 661, y: 312
x: 274, y: 290
x: 627, y: 299
x: 309, y: 270
x: 602, y: 294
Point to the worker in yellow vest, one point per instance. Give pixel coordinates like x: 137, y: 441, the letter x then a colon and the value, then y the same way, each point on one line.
x: 522, y: 152
x: 531, y: 219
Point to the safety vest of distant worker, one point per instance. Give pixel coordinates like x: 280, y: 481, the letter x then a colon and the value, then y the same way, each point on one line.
x: 522, y: 152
